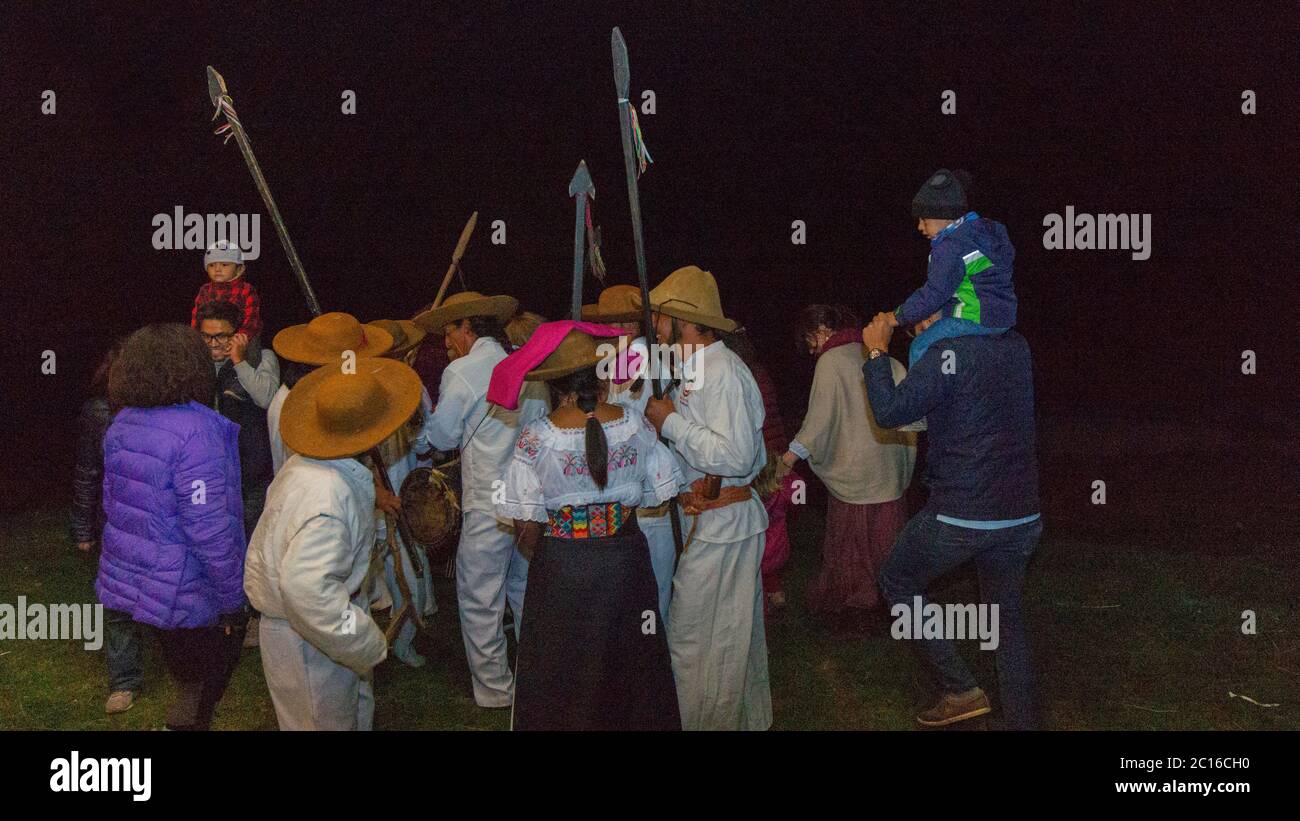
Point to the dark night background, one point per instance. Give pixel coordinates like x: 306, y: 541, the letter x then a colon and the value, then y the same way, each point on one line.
x: 828, y: 113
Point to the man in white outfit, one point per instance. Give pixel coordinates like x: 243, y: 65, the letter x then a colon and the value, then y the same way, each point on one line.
x: 309, y: 559
x: 714, y: 422
x: 490, y: 571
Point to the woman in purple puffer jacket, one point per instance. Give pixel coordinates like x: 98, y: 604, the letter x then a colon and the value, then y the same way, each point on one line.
x: 173, y: 544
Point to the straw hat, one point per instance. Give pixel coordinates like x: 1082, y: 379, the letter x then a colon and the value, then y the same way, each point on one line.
x: 617, y: 303
x: 576, y: 351
x: 521, y: 327
x: 331, y: 414
x: 466, y: 304
x: 690, y: 294
x: 323, y: 340
x: 405, y: 333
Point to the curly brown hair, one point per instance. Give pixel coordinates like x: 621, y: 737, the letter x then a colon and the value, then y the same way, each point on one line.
x: 162, y: 364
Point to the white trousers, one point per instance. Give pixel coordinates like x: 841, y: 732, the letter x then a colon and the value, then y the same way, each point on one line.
x: 658, y: 532
x: 716, y: 636
x: 489, y: 573
x: 309, y: 690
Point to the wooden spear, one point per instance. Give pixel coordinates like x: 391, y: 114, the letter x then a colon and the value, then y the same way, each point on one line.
x: 225, y: 106
x: 622, y: 81
x: 461, y: 244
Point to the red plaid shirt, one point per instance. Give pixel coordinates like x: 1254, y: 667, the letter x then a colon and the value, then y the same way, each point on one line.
x: 242, y: 294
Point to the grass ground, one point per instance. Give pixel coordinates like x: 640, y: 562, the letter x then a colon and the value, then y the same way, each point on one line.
x: 1124, y: 638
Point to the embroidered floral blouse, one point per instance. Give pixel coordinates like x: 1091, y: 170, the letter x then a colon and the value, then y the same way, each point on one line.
x: 549, y: 468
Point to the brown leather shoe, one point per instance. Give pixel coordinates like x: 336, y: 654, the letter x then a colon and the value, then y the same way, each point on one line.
x: 954, y: 707
x: 119, y: 701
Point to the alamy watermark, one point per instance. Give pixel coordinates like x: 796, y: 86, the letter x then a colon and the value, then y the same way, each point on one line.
x: 664, y: 362
x: 56, y: 622
x: 77, y: 774
x: 1085, y: 232
x: 197, y: 232
x: 947, y: 621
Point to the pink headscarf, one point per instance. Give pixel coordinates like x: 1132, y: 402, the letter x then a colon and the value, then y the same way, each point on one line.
x: 508, y: 375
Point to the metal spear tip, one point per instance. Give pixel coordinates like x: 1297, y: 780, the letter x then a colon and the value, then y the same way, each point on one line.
x: 622, y: 73
x: 216, y: 85
x: 581, y: 182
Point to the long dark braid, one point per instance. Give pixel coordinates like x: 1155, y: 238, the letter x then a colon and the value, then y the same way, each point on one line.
x: 590, y: 390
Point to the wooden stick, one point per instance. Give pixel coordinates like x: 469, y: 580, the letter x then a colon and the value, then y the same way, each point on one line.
x: 408, y: 601
x: 455, y: 257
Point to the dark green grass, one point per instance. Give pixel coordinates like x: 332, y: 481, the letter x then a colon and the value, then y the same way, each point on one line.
x: 1124, y: 638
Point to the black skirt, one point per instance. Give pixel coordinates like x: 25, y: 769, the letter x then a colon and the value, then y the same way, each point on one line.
x: 593, y: 653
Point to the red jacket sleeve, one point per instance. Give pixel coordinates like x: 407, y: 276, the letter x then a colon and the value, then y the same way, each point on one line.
x: 199, y: 299
x: 252, y: 312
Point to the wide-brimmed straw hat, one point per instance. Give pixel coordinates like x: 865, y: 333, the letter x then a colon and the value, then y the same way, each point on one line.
x: 331, y: 413
x: 466, y: 304
x: 690, y: 294
x: 574, y: 353
x: 323, y: 340
x: 405, y: 333
x: 617, y: 303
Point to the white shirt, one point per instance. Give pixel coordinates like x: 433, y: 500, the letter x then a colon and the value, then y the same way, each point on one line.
x: 549, y: 468
x: 718, y: 429
x: 280, y: 452
x: 484, y: 433
x: 310, y: 555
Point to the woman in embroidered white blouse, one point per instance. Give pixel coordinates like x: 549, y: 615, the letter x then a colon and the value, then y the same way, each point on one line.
x: 592, y: 654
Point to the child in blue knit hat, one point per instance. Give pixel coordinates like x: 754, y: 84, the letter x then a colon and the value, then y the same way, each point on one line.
x: 970, y: 267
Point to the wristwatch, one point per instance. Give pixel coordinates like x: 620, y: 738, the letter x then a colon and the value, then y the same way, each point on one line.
x: 875, y: 352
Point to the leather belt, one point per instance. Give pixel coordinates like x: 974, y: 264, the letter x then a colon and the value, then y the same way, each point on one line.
x: 694, y: 502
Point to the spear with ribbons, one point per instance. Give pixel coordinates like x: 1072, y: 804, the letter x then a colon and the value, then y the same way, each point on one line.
x: 225, y: 107
x: 635, y: 160
x: 232, y: 127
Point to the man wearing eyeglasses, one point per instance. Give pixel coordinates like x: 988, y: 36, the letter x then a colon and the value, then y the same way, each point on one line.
x: 247, y: 379
x: 253, y: 373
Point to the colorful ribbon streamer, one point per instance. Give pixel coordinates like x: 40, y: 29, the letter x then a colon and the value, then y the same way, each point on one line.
x: 593, y: 244
x: 226, y: 106
x: 643, y: 157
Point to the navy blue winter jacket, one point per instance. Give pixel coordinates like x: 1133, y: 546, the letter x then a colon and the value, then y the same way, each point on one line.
x: 977, y: 395
x: 969, y: 277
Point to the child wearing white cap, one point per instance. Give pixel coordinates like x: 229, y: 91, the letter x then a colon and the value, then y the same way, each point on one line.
x: 225, y: 265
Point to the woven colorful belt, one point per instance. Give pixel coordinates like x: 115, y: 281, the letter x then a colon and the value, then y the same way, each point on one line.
x: 586, y: 521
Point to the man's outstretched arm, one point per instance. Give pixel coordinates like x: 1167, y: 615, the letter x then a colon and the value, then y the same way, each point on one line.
x: 920, y: 391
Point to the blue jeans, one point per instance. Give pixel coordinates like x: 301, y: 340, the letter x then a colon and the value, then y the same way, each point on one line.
x: 123, y: 646
x: 945, y: 328
x: 927, y: 549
